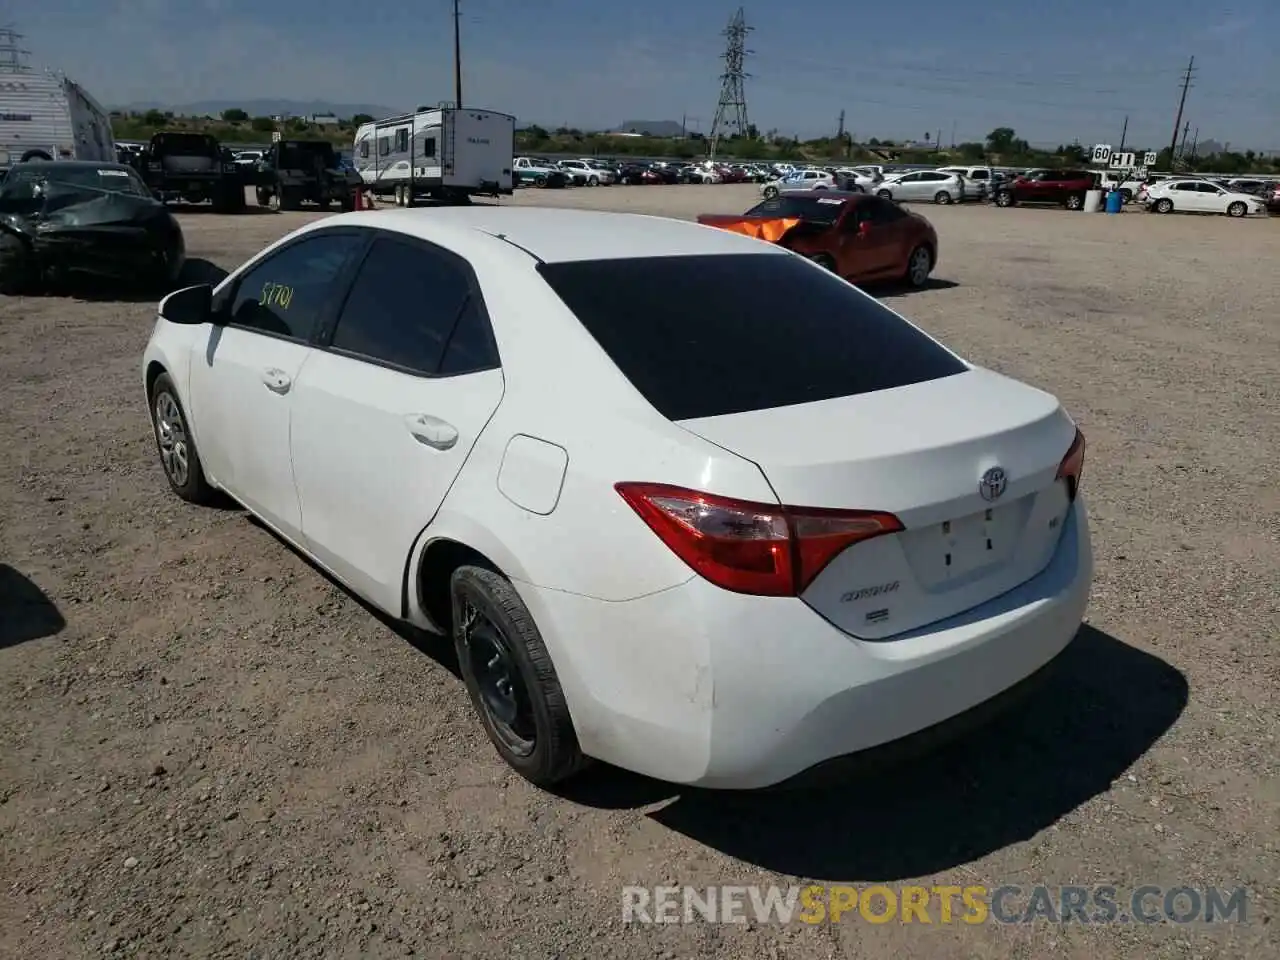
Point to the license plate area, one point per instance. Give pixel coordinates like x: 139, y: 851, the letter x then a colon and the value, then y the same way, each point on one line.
x: 959, y: 550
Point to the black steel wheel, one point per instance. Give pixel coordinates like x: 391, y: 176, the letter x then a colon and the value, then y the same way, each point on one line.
x: 510, y: 678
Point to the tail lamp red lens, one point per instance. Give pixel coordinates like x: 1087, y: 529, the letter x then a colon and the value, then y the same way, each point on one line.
x: 1072, y: 467
x: 756, y: 548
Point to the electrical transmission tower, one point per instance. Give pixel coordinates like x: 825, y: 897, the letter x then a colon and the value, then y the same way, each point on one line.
x: 13, y: 58
x: 731, y: 111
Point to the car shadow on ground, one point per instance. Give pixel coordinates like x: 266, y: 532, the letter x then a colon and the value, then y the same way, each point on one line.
x: 904, y: 289
x: 198, y: 209
x: 25, y: 612
x: 1103, y: 706
x: 89, y: 289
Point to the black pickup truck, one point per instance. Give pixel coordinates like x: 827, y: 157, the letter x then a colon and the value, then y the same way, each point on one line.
x: 294, y: 172
x: 192, y: 167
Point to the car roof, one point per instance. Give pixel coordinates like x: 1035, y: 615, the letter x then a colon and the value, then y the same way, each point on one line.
x: 823, y: 194
x: 71, y: 165
x: 557, y: 235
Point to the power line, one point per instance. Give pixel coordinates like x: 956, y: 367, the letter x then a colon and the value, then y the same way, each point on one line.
x: 457, y: 55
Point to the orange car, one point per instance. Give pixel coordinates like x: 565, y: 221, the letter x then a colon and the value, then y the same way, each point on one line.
x: 860, y: 237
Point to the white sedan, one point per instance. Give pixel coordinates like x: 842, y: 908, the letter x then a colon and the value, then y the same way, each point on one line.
x: 800, y: 180
x: 1200, y: 196
x: 714, y: 539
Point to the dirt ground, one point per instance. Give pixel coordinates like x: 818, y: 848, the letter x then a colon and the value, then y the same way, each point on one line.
x: 210, y: 750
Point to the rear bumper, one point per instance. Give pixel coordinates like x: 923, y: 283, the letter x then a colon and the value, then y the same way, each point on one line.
x: 700, y: 686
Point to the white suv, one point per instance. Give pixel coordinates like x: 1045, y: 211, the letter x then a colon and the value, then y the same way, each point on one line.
x: 595, y: 176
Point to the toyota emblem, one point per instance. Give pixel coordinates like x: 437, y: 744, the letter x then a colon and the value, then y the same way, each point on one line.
x: 992, y: 484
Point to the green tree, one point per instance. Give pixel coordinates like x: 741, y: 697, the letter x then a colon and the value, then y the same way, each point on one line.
x: 1001, y: 140
x: 234, y: 115
x: 971, y: 151
x: 262, y: 124
x: 154, y: 118
x: 360, y: 118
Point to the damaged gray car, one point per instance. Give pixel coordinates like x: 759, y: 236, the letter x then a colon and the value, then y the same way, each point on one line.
x: 64, y: 218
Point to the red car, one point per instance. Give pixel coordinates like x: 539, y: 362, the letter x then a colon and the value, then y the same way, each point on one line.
x: 860, y: 237
x: 1064, y: 187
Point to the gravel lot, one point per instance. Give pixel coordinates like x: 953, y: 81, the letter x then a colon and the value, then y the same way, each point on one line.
x: 211, y: 750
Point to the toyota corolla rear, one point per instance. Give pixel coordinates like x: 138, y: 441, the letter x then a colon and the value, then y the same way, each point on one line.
x: 920, y: 545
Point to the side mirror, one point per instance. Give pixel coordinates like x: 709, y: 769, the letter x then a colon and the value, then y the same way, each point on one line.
x: 190, y: 305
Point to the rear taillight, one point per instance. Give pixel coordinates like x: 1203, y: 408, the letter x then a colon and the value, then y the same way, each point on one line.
x: 1072, y: 467
x: 757, y: 548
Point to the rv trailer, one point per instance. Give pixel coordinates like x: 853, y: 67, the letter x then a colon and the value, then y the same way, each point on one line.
x: 445, y: 153
x: 45, y: 116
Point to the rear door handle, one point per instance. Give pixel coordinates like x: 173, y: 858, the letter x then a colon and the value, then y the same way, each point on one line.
x: 431, y: 431
x: 276, y: 380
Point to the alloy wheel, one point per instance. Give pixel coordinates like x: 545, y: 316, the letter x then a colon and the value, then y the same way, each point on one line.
x: 919, y: 267
x: 171, y: 433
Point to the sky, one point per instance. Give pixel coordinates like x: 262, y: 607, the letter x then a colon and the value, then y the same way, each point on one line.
x: 1053, y: 72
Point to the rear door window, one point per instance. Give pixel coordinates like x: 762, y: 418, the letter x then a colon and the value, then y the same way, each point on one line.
x: 706, y: 336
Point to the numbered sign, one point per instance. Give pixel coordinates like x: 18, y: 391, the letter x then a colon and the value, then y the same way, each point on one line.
x: 1122, y: 161
x: 1149, y: 158
x: 1140, y: 173
x: 276, y: 136
x: 1102, y: 153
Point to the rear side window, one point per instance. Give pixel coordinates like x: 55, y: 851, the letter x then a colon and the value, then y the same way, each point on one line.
x: 713, y: 335
x: 407, y: 307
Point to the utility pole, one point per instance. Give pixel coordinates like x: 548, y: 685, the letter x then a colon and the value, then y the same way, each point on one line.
x: 1124, y: 133
x: 937, y: 141
x: 684, y: 125
x: 953, y: 134
x: 840, y: 131
x: 1182, y: 149
x: 457, y: 55
x: 1195, y: 138
x: 1182, y: 102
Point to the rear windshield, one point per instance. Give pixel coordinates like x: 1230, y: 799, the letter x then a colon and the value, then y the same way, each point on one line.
x: 707, y: 336
x: 190, y: 144
x: 306, y: 153
x: 816, y: 209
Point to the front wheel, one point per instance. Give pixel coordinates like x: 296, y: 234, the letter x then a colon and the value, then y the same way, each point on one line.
x: 770, y: 192
x: 1004, y: 199
x: 178, y: 454
x: 1075, y: 202
x: 17, y: 267
x: 884, y: 194
x: 510, y: 678
x: 1164, y: 205
x: 942, y: 197
x: 1237, y: 209
x: 593, y: 182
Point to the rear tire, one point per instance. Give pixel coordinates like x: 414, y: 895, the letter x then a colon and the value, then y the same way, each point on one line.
x: 1074, y: 202
x: 1164, y: 205
x: 770, y: 192
x: 1237, y: 209
x: 510, y: 678
x: 942, y: 197
x: 884, y: 194
x: 919, y: 266
x: 1004, y: 199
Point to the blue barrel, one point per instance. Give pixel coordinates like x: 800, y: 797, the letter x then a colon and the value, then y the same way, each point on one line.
x: 1115, y: 201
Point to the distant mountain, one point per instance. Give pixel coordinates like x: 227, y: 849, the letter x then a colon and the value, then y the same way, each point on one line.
x: 265, y: 108
x: 651, y: 128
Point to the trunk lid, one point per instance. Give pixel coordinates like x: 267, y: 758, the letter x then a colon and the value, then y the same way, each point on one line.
x: 919, y: 452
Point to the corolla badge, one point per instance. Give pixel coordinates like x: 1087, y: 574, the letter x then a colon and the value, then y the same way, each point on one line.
x: 992, y: 483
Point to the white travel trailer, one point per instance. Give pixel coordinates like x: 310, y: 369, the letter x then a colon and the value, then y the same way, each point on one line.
x: 444, y: 152
x: 45, y: 116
